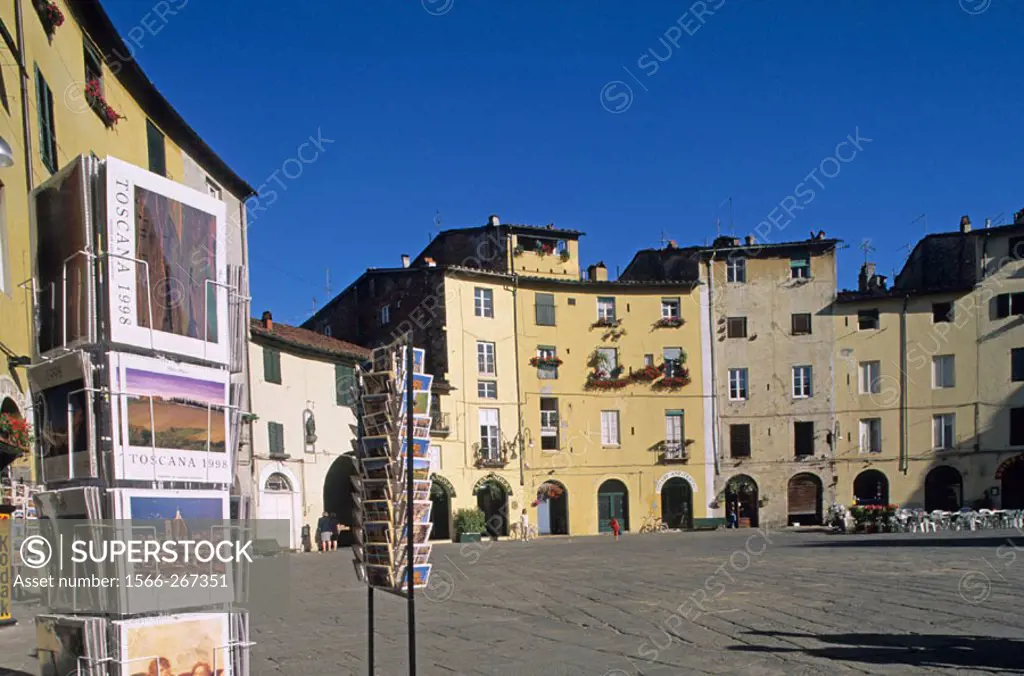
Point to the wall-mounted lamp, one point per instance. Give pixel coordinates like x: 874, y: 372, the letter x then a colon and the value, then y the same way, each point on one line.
x: 16, y: 361
x: 6, y: 154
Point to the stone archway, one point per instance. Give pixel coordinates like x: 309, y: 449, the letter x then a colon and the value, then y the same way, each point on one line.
x: 677, y: 503
x: 741, y: 501
x: 492, y: 496
x: 441, y: 494
x: 871, y: 487
x: 1011, y: 476
x: 552, y: 508
x: 804, y: 495
x: 337, y: 490
x: 943, y: 489
x: 612, y: 502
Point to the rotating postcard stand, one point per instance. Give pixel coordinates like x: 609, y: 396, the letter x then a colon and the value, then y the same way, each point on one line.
x: 392, y: 521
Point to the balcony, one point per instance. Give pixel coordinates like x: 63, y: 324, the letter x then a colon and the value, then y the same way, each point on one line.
x: 490, y: 458
x: 674, y: 451
x: 439, y: 424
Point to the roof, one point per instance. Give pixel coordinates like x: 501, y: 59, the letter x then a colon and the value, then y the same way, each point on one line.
x: 94, y: 20
x: 304, y: 339
x: 548, y: 229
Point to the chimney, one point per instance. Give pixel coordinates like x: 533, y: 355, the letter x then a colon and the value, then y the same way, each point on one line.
x: 749, y: 239
x: 431, y: 263
x: 671, y: 244
x: 494, y: 221
x: 1018, y: 218
x: 405, y: 260
x: 988, y: 223
x: 597, y: 272
x: 268, y: 321
x: 866, y: 278
x: 965, y: 225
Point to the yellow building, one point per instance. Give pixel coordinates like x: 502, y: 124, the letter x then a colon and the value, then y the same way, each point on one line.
x: 929, y: 401
x: 56, y: 51
x: 487, y: 303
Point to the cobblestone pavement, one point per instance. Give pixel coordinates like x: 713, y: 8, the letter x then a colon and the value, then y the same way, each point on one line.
x: 734, y: 602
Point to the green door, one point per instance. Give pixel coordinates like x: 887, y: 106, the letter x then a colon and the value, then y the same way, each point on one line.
x: 612, y: 503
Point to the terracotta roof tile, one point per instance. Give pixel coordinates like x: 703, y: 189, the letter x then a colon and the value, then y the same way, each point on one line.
x: 310, y: 340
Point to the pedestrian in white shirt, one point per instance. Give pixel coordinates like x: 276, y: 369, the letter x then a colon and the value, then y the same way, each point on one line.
x: 524, y: 527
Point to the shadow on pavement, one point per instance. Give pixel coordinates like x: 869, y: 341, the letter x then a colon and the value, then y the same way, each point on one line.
x: 918, y: 650
x: 903, y: 541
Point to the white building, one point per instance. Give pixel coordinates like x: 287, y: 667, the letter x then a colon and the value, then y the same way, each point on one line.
x: 302, y: 389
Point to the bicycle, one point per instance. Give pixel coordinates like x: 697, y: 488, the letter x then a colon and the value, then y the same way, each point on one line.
x: 653, y: 524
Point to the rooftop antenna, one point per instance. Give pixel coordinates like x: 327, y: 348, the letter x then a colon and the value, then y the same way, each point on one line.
x: 314, y: 305
x: 328, y: 287
x: 731, y: 224
x: 922, y: 216
x: 664, y: 241
x: 865, y: 246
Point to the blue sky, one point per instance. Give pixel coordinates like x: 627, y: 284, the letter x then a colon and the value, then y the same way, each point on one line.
x: 469, y: 108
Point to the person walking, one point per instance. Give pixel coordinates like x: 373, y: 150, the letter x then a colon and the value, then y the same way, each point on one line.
x: 524, y: 527
x: 333, y: 541
x: 324, y: 532
x: 616, y: 529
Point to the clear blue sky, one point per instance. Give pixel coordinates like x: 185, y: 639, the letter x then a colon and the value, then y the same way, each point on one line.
x: 495, y: 107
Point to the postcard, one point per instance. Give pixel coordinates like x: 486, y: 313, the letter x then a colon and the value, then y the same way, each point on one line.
x: 377, y: 510
x: 171, y: 419
x: 420, y: 471
x: 420, y: 511
x: 378, y: 384
x: 376, y: 468
x: 420, y: 449
x: 421, y: 534
x: 384, y: 360
x: 167, y: 268
x: 420, y: 576
x: 378, y: 424
x: 70, y: 645
x: 379, y: 576
x: 63, y: 406
x: 378, y: 555
x: 377, y: 533
x: 375, y: 447
x: 193, y: 643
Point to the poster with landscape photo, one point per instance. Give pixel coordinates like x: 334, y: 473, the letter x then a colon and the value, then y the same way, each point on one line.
x: 61, y: 216
x: 194, y: 643
x: 63, y: 410
x: 178, y: 234
x: 172, y: 421
x: 70, y: 645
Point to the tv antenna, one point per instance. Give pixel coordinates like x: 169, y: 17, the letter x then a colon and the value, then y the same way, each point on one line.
x: 731, y: 224
x: 328, y: 287
x: 867, y: 248
x: 925, y: 218
x: 664, y: 239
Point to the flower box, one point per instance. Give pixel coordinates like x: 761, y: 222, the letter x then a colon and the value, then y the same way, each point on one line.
x: 669, y: 323
x: 671, y: 383
x: 14, y: 433
x: 545, y: 362
x: 94, y: 95
x: 647, y: 374
x: 596, y: 382
x: 50, y: 15
x: 565, y: 256
x: 606, y: 323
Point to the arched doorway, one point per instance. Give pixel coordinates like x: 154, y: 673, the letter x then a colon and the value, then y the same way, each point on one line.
x: 871, y: 487
x: 677, y: 503
x: 441, y: 494
x: 943, y: 489
x: 338, y: 490
x: 741, y: 496
x: 492, y: 499
x: 552, y: 508
x: 1011, y: 472
x: 805, y: 494
x: 612, y: 502
x: 277, y: 510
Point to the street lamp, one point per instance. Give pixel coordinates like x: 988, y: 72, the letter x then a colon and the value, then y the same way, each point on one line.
x: 6, y: 154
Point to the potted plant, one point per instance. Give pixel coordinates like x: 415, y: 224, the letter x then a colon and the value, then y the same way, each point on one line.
x: 669, y: 323
x: 545, y: 362
x: 94, y: 95
x: 647, y: 373
x: 469, y: 524
x: 14, y: 434
x: 50, y: 15
x: 564, y: 255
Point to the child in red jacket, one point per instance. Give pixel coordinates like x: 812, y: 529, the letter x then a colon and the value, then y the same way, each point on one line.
x: 614, y: 523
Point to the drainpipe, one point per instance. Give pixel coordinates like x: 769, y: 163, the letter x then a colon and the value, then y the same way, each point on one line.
x: 515, y: 344
x: 26, y: 126
x: 714, y: 376
x: 903, y: 462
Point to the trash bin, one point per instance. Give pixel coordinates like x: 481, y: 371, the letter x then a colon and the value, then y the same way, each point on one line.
x: 307, y: 542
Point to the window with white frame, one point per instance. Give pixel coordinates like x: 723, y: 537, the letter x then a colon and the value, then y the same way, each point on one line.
x: 870, y: 377
x: 546, y: 353
x: 943, y: 375
x: 737, y: 384
x: 490, y: 433
x: 736, y: 270
x: 606, y: 309
x: 673, y: 357
x: 648, y: 360
x: 385, y: 315
x: 487, y: 389
x: 673, y: 433
x: 483, y: 302
x: 610, y: 428
x: 485, y: 360
x: 802, y: 382
x: 549, y: 423
x: 871, y: 435
x: 944, y: 431
x: 212, y: 189
x: 670, y: 308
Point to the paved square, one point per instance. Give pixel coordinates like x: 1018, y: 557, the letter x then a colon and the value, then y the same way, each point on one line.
x: 734, y: 602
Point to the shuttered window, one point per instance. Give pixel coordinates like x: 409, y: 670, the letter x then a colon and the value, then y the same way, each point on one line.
x: 47, y: 127
x: 545, y: 309
x: 275, y: 432
x: 739, y: 441
x: 157, y: 152
x: 610, y: 428
x: 271, y: 365
x: 344, y: 382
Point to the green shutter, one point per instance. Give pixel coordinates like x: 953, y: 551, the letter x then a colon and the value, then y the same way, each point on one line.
x: 275, y: 432
x: 271, y: 365
x: 344, y: 381
x: 47, y: 131
x: 157, y: 152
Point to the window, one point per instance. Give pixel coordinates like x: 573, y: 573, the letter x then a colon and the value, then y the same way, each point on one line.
x: 607, y: 361
x: 670, y: 308
x: 271, y: 365
x: 867, y: 320
x: 483, y: 302
x: 870, y: 377
x: 673, y: 357
x: 546, y: 372
x: 801, y: 324
x: 157, y: 152
x: 1009, y: 304
x: 944, y: 431
x: 275, y: 433
x: 1017, y: 426
x: 736, y: 327
x: 942, y: 312
x: 609, y: 428
x: 803, y: 439
x: 943, y: 375
x: 485, y: 359
x: 213, y: 190
x: 801, y: 382
x: 1017, y: 364
x: 1016, y: 247
x: 606, y: 309
x: 47, y: 128
x: 487, y: 389
x: 871, y: 435
x: 384, y: 315
x: 800, y: 266
x: 739, y: 441
x: 548, y: 424
x: 327, y: 330
x: 344, y: 384
x: 673, y: 433
x: 737, y: 384
x: 93, y: 64
x: 648, y: 360
x: 736, y: 270
x: 490, y: 433
x: 545, y: 309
